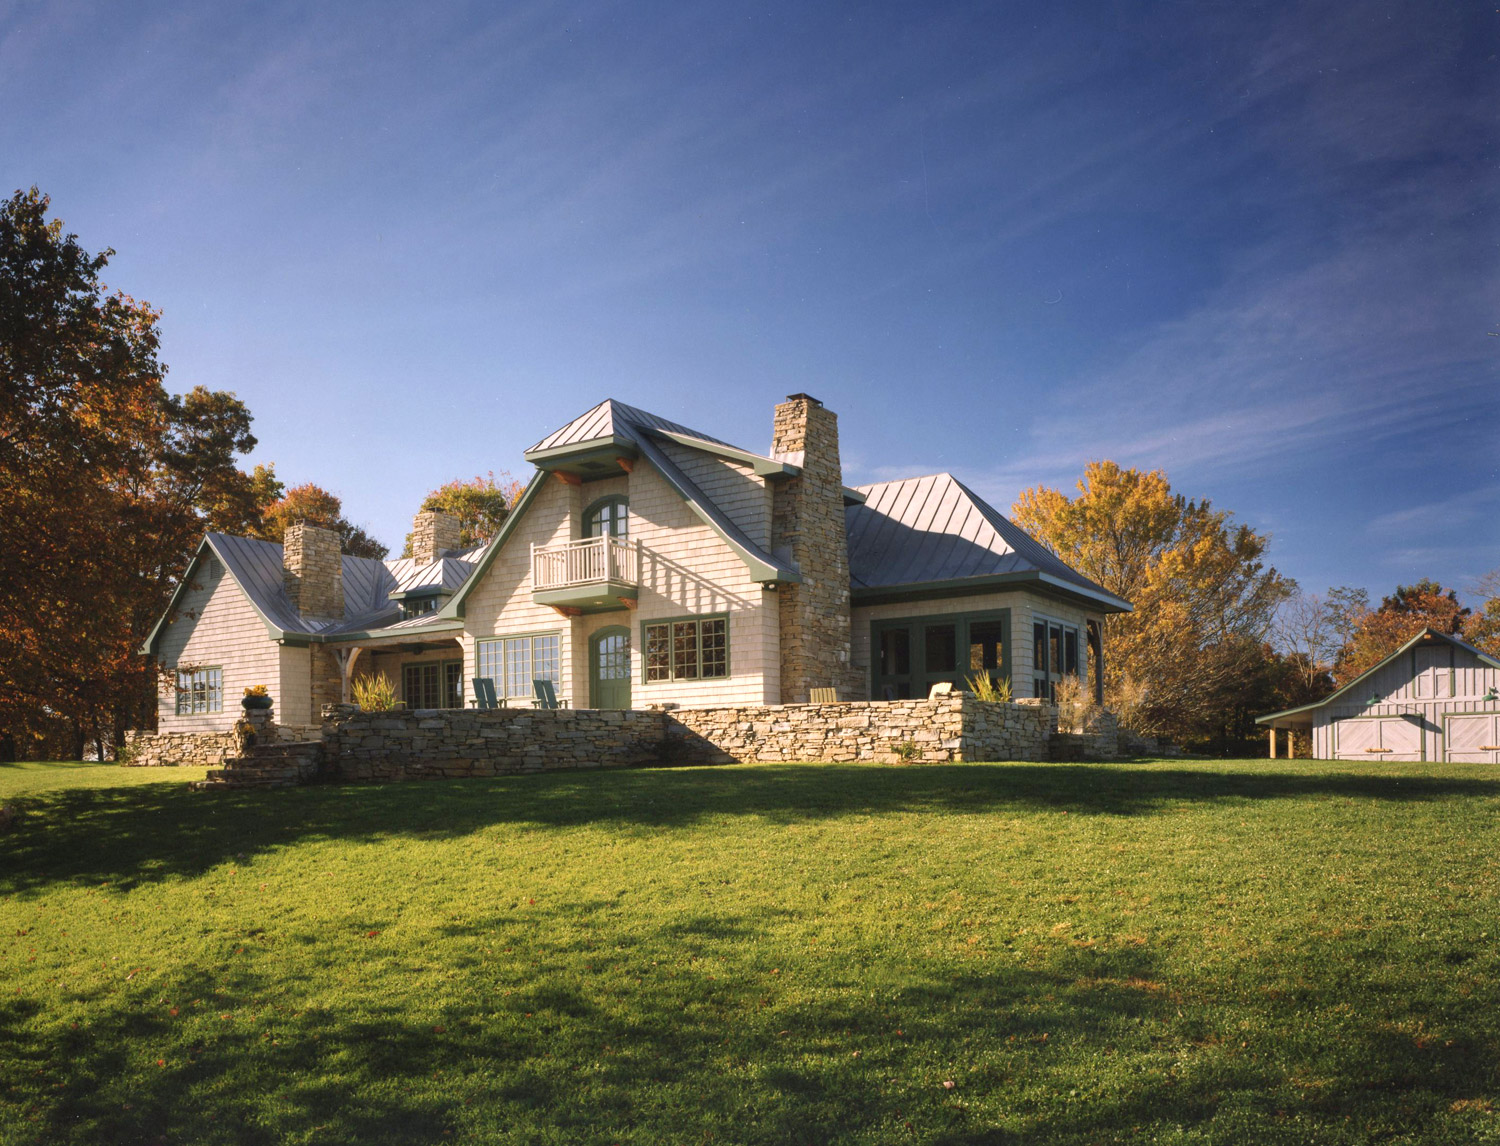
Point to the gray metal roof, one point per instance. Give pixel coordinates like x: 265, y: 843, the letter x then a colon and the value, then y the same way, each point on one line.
x: 368, y: 586
x: 612, y: 419
x: 935, y: 528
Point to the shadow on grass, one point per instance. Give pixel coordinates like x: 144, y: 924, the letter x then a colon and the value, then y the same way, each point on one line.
x: 595, y: 1045
x: 145, y: 832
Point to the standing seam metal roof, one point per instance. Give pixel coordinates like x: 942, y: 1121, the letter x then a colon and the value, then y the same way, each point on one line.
x: 935, y: 528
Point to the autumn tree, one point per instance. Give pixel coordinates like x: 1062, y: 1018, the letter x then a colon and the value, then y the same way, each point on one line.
x: 1203, y: 598
x: 106, y: 480
x: 316, y: 506
x: 1483, y: 628
x: 481, y: 505
x: 1401, y: 616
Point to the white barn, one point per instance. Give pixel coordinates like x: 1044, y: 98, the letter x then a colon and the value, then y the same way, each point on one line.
x: 1435, y: 698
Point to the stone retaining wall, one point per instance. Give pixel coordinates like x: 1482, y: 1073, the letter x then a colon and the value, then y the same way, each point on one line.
x: 951, y: 728
x: 452, y: 743
x: 446, y: 743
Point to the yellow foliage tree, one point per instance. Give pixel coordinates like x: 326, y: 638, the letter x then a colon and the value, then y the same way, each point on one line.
x: 1204, y: 600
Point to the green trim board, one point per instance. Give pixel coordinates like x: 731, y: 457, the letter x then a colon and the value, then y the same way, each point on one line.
x: 972, y: 586
x: 763, y: 466
x: 594, y: 597
x: 917, y: 626
x: 697, y: 617
x: 610, y: 447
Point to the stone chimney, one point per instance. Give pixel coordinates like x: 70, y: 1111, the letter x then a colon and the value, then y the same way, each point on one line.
x: 807, y: 529
x: 433, y: 534
x: 312, y: 570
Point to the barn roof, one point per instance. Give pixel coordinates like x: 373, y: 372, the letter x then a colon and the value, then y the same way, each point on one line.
x: 1428, y: 636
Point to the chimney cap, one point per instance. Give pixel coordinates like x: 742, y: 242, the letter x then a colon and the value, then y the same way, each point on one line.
x: 803, y: 397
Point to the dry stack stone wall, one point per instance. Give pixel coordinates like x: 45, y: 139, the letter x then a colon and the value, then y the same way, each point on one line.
x: 446, y: 743
x: 807, y: 525
x: 171, y: 749
x: 953, y: 728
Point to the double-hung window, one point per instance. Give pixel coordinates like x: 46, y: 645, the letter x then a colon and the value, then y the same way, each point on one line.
x: 200, y: 690
x: 695, y: 649
x: 514, y: 662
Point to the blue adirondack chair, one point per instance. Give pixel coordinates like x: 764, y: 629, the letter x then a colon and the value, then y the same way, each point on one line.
x: 546, y: 695
x: 484, y: 692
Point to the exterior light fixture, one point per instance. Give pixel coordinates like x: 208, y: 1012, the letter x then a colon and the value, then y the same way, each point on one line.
x: 1374, y: 698
x: 1490, y: 697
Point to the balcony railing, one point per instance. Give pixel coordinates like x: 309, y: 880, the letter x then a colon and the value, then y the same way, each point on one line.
x: 592, y: 561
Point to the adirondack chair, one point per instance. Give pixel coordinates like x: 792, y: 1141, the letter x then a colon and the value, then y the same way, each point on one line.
x: 823, y: 696
x: 484, y: 693
x: 546, y: 695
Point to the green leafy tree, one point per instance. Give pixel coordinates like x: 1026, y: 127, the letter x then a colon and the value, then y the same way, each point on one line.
x: 1204, y: 598
x: 481, y: 505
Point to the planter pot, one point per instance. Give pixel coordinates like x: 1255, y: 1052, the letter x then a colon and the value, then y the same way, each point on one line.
x: 253, y: 702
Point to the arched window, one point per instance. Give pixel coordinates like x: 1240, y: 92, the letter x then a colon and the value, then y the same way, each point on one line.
x: 607, y: 516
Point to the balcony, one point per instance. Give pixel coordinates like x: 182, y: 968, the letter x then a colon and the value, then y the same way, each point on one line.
x: 594, y: 575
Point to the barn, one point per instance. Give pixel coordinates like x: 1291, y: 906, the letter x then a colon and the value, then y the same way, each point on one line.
x: 1435, y: 698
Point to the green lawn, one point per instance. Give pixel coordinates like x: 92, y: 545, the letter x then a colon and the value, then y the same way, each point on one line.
x: 1244, y: 951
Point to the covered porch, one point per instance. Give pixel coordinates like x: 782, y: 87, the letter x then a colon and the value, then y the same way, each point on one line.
x: 425, y: 665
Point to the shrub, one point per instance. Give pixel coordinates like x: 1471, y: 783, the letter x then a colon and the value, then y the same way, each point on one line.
x: 984, y: 687
x: 906, y: 751
x: 374, y: 693
x: 1075, y: 705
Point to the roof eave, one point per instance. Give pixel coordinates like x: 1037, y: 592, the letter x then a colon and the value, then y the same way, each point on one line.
x: 970, y: 586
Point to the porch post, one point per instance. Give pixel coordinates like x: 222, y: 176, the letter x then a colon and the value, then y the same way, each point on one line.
x: 346, y: 659
x: 1273, y: 743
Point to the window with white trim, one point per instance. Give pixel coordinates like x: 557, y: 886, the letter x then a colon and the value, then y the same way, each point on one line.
x: 514, y: 662
x: 693, y: 649
x: 200, y: 690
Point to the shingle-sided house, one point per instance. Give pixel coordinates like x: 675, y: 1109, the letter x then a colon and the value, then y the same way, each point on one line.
x: 646, y: 564
x: 1435, y: 698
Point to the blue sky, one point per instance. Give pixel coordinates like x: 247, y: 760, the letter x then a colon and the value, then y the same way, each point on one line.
x: 1255, y: 246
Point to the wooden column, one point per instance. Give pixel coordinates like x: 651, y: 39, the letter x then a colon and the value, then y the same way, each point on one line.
x: 1273, y: 743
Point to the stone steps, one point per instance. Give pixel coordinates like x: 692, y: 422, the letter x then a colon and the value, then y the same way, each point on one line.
x: 284, y: 765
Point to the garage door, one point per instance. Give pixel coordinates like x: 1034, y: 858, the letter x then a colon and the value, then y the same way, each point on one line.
x: 1377, y: 738
x: 1473, y: 739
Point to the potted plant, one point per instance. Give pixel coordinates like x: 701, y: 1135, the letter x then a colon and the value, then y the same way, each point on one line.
x: 256, y: 697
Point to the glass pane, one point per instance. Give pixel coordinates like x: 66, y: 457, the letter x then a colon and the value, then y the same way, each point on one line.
x: 986, y: 645
x: 518, y: 667
x: 487, y: 660
x: 1070, y: 652
x: 715, y: 645
x: 685, y: 650
x: 1054, y: 650
x: 1039, y: 687
x: 614, y: 657
x: 658, y: 652
x: 453, y: 689
x: 546, y: 660
x: 1039, y: 650
x: 942, y: 648
x: 895, y: 652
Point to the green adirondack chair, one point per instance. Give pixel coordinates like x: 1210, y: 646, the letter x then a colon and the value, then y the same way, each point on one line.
x: 484, y: 692
x: 546, y: 695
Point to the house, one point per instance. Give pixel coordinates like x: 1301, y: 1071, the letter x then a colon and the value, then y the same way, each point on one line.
x: 1435, y: 698
x: 645, y: 565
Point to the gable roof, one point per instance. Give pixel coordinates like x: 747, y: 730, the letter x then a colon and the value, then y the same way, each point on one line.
x: 1428, y: 635
x: 612, y: 421
x: 934, y: 531
x: 369, y: 588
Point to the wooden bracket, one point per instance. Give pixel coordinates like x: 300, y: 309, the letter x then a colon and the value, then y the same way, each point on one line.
x: 567, y: 479
x: 566, y: 611
x: 629, y: 602
x: 627, y: 464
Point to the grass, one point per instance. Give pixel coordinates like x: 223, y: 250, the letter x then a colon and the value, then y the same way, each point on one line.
x: 1269, y: 951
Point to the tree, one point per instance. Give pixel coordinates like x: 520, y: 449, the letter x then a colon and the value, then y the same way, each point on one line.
x: 1204, y: 601
x: 316, y: 506
x: 1401, y: 616
x: 1483, y: 628
x: 481, y: 506
x: 106, y: 481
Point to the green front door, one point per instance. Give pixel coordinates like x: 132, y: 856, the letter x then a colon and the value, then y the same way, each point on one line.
x: 609, y: 668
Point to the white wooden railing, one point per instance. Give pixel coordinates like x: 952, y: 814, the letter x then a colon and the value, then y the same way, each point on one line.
x: 590, y: 561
